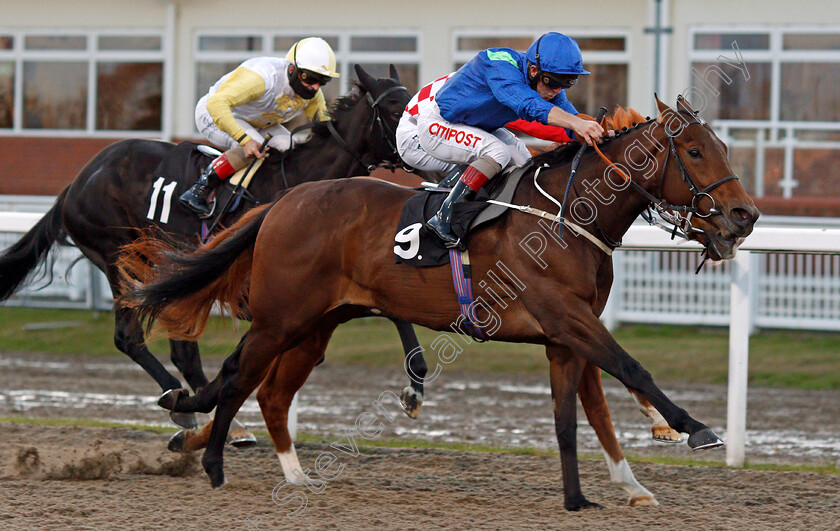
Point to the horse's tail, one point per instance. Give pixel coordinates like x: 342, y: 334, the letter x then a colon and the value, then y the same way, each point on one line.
x: 179, y: 289
x: 21, y: 259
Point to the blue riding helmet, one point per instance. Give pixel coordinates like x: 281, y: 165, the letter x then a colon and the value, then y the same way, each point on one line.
x: 556, y: 53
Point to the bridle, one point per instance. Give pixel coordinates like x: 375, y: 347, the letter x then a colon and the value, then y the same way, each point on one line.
x: 385, y: 132
x: 677, y: 215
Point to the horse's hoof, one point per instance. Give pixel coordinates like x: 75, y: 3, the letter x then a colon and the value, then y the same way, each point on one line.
x: 641, y: 501
x: 187, y: 421
x: 411, y: 402
x: 216, y: 475
x: 302, y: 480
x: 168, y: 399
x: 582, y: 504
x: 241, y: 438
x: 704, y: 439
x: 176, y: 442
x: 666, y: 435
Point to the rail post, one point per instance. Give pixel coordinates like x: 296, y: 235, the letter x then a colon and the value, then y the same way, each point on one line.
x: 740, y: 321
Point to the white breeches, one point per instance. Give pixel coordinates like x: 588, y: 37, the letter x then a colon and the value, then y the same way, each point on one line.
x: 435, y: 144
x: 281, y: 137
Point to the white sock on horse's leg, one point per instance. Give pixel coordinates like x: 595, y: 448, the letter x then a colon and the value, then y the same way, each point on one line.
x: 620, y: 473
x: 292, y: 469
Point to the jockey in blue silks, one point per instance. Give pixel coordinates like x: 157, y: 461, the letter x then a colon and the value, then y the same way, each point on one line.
x: 463, y: 121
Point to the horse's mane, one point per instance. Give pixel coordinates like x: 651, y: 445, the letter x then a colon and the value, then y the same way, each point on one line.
x: 620, y: 120
x: 341, y: 105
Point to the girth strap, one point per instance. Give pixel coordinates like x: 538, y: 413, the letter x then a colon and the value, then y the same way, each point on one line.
x: 462, y: 279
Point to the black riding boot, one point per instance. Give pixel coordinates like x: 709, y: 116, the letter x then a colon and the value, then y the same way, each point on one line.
x: 453, y: 177
x: 440, y: 222
x: 195, y: 198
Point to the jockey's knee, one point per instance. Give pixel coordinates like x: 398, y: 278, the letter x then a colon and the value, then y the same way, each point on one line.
x: 280, y: 142
x: 498, y: 152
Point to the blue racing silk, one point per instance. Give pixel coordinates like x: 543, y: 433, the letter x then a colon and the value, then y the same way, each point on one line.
x: 492, y: 89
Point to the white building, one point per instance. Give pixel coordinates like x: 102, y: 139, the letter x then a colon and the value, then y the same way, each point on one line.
x: 768, y: 72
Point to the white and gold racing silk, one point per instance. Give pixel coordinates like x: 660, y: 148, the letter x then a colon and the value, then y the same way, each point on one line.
x: 258, y: 92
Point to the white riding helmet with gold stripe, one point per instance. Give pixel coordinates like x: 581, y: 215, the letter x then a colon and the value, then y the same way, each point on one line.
x: 313, y: 54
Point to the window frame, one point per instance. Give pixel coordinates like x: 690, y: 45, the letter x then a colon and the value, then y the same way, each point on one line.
x: 773, y: 133
x: 345, y: 57
x: 775, y: 55
x: 91, y: 55
x: 589, y: 56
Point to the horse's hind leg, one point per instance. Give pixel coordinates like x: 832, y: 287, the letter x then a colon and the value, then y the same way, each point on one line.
x: 285, y: 377
x: 241, y: 373
x: 186, y: 358
x: 598, y: 413
x: 659, y: 428
x: 565, y: 370
x: 415, y: 367
x: 128, y: 338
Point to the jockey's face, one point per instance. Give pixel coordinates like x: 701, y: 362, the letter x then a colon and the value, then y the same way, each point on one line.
x: 312, y: 79
x: 544, y: 90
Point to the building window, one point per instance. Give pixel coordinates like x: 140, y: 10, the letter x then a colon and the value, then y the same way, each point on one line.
x: 605, y: 55
x: 7, y: 94
x: 772, y: 93
x: 81, y: 83
x: 797, y: 69
x: 219, y: 53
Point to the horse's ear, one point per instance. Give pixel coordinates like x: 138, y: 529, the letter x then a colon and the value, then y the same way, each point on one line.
x: 394, y: 74
x: 366, y: 79
x: 683, y: 103
x: 661, y: 107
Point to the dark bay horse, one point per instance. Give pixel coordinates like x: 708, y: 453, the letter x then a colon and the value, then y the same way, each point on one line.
x: 555, y: 292
x: 108, y: 205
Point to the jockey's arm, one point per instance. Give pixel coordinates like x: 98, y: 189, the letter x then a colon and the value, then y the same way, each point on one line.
x: 242, y: 86
x: 541, y: 131
x: 588, y: 130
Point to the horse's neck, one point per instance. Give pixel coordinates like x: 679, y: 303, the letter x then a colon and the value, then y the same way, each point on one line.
x: 616, y: 208
x: 323, y: 157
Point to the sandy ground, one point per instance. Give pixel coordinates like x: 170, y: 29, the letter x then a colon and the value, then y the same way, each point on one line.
x: 70, y: 477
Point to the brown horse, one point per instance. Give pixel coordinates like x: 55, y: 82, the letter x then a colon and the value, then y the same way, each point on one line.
x: 324, y: 252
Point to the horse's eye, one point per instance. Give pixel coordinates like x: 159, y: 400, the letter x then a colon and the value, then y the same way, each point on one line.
x: 694, y: 152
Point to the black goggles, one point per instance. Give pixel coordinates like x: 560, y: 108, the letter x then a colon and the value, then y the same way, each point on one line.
x: 558, y: 81
x: 310, y: 78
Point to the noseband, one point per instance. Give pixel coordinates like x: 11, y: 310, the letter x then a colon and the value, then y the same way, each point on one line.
x: 384, y: 131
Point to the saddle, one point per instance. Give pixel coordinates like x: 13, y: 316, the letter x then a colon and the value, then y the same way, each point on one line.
x: 416, y: 246
x: 186, y: 162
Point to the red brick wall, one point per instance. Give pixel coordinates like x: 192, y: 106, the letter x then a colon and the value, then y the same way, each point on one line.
x: 45, y: 166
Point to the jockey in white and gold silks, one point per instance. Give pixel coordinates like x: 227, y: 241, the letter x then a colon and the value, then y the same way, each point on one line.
x: 255, y: 100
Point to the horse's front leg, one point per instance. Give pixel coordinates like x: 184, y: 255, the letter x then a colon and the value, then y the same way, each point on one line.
x: 598, y: 413
x: 286, y: 376
x: 415, y: 366
x: 579, y: 329
x: 565, y: 370
x: 659, y: 426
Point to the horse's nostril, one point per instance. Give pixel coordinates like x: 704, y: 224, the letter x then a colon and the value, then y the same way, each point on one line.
x: 743, y: 216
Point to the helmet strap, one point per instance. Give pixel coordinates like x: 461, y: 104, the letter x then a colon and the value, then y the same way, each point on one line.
x: 533, y: 81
